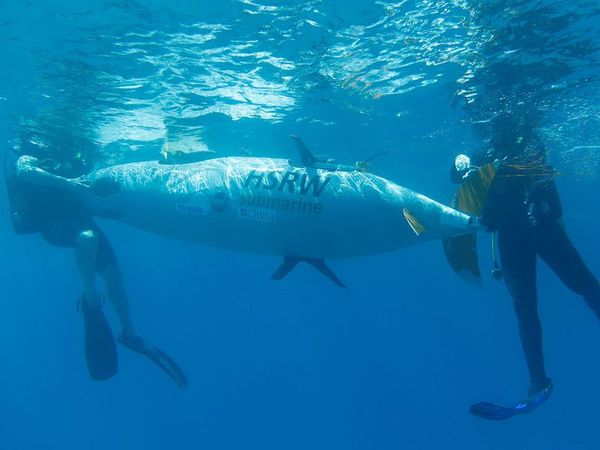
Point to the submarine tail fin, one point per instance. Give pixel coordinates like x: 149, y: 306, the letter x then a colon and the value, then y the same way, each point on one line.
x: 306, y: 157
x: 290, y: 262
x: 413, y: 222
x: 461, y: 251
x: 320, y: 265
x: 285, y: 268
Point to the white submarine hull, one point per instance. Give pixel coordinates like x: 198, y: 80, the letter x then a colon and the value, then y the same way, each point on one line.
x: 269, y: 206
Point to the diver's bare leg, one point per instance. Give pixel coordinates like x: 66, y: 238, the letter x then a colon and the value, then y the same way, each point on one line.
x: 85, y: 254
x: 129, y: 337
x: 118, y: 297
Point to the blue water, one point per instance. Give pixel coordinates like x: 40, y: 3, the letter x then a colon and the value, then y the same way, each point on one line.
x: 392, y: 362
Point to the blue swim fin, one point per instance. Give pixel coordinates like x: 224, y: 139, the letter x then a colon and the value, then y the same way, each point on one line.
x: 491, y: 411
x: 100, y: 345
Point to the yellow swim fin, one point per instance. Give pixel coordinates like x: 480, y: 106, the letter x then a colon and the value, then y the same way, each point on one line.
x: 472, y: 194
x: 461, y: 251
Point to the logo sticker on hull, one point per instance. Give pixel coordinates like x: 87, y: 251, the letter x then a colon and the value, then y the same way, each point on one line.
x: 220, y: 201
x: 199, y: 207
x: 194, y: 210
x: 257, y: 214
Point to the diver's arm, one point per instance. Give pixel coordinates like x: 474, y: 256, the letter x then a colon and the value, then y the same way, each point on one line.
x: 28, y: 170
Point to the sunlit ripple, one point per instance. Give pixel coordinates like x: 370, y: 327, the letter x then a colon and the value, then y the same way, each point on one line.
x: 133, y: 73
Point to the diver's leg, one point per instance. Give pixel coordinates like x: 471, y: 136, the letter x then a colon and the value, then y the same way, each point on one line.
x: 557, y: 250
x: 86, y: 250
x: 106, y: 264
x: 100, y: 346
x: 117, y: 296
x: 129, y: 337
x: 518, y: 257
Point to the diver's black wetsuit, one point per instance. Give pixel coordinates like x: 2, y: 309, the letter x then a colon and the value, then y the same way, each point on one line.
x: 57, y: 215
x: 524, y: 208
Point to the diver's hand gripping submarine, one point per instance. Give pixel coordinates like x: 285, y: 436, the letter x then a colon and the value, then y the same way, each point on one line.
x: 309, y: 210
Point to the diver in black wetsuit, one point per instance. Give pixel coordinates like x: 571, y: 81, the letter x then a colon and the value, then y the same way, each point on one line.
x: 524, y: 209
x: 42, y: 201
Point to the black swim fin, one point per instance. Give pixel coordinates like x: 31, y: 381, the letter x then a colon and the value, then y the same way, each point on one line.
x: 157, y: 356
x: 100, y: 346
